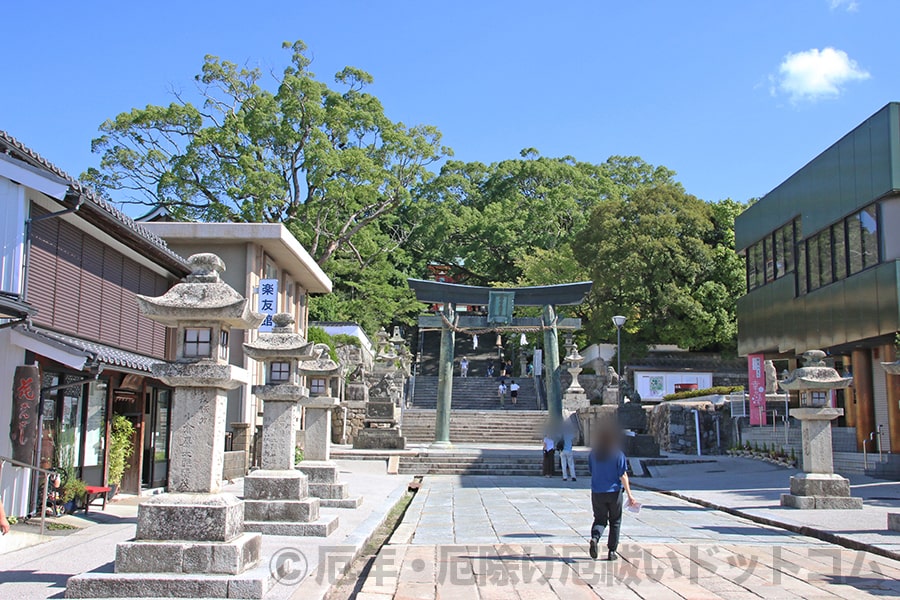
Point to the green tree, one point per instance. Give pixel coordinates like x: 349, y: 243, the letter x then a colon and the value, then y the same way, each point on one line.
x: 665, y: 260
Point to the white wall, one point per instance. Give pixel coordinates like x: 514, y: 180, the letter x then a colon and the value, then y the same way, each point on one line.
x: 14, y: 481
x: 647, y: 379
x: 12, y: 235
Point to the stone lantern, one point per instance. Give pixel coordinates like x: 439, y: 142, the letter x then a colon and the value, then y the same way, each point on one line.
x: 276, y: 495
x: 323, y: 377
x: 190, y: 542
x: 574, y: 396
x: 382, y: 421
x: 818, y: 486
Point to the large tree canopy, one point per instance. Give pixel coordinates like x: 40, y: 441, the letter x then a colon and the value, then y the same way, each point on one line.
x: 328, y: 163
x: 665, y: 260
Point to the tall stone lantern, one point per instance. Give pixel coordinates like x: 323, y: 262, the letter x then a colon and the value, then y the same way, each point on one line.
x: 574, y: 396
x: 276, y: 495
x: 190, y: 542
x: 818, y: 486
x: 323, y: 379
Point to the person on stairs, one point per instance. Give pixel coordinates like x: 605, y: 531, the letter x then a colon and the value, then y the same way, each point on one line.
x: 501, y: 391
x: 549, y: 447
x: 609, y: 479
x: 464, y: 367
x: 513, y: 391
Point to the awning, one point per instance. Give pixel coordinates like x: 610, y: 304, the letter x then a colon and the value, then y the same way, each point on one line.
x: 78, y: 353
x: 13, y: 308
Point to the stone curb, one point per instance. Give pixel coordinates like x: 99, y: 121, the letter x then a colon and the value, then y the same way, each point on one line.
x: 359, y: 538
x: 806, y: 530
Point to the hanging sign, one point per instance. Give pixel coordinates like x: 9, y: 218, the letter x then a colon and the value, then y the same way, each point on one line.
x: 24, y: 422
x: 756, y: 373
x: 268, y: 302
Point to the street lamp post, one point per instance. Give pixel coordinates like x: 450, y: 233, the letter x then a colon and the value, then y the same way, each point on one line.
x: 619, y: 321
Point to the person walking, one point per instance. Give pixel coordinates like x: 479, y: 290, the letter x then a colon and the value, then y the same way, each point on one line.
x: 608, y: 480
x: 464, y: 367
x: 549, y: 447
x: 501, y: 392
x: 509, y: 368
x: 567, y: 455
x: 513, y: 391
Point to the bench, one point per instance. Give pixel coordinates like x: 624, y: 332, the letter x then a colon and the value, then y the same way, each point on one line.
x: 94, y: 492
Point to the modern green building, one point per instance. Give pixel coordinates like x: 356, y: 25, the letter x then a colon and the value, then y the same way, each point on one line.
x: 822, y: 253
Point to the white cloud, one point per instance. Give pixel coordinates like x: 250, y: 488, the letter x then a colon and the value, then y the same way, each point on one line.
x: 815, y: 74
x: 848, y: 5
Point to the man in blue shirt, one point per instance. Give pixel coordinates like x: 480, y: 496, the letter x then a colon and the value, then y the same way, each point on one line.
x: 608, y: 480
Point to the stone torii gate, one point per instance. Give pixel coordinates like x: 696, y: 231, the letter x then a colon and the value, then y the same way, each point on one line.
x: 500, y: 303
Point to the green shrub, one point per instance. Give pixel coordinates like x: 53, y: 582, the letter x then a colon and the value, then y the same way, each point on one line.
x: 298, y: 455
x: 713, y: 391
x: 343, y: 339
x: 120, y: 447
x: 74, y: 490
x: 317, y: 335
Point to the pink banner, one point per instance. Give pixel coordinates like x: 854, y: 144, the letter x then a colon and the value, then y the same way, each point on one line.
x: 756, y: 370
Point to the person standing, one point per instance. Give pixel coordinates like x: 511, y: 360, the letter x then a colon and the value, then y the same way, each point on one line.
x: 464, y: 367
x: 549, y: 447
x: 608, y: 481
x: 490, y: 369
x: 501, y: 391
x: 567, y: 455
x: 509, y: 368
x: 513, y: 391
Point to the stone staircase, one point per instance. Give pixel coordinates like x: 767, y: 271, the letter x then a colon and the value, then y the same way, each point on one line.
x: 477, y: 426
x: 473, y: 393
x: 496, y: 463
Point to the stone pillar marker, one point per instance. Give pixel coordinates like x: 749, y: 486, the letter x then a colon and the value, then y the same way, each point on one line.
x: 276, y: 495
x: 445, y: 379
x: 190, y: 542
x: 322, y: 375
x: 818, y: 486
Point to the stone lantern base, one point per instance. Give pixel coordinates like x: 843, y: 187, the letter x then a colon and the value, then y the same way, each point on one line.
x: 820, y: 491
x: 325, y: 485
x: 278, y: 503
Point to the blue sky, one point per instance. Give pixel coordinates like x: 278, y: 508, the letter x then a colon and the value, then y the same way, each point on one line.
x: 733, y: 96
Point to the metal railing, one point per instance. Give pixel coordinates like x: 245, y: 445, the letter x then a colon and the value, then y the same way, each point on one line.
x: 16, y: 463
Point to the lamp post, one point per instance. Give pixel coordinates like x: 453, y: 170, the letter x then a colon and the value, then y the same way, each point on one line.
x: 619, y: 321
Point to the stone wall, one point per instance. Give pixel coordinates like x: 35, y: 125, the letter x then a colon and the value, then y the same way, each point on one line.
x: 235, y: 465
x: 672, y: 424
x: 356, y: 414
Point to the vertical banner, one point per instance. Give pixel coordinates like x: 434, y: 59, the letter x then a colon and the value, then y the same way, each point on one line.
x: 268, y: 302
x: 23, y: 427
x: 757, y: 374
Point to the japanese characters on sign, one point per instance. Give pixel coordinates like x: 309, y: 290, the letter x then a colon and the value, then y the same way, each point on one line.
x: 756, y: 372
x: 24, y: 423
x: 268, y: 302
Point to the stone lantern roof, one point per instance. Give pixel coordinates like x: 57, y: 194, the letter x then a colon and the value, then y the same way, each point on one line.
x: 282, y: 342
x: 202, y: 296
x: 815, y: 375
x: 321, y: 365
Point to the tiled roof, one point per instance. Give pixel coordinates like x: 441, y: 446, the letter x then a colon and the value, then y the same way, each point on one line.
x: 15, y: 148
x: 691, y: 361
x: 101, y: 353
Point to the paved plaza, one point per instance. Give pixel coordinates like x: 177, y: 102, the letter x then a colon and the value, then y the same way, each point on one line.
x: 525, y: 537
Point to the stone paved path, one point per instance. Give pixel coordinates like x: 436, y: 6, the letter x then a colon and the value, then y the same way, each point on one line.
x: 484, y: 537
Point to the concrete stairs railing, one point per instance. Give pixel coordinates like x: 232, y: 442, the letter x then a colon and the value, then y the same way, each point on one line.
x: 474, y: 393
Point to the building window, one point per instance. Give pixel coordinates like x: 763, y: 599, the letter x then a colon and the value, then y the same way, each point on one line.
x: 198, y: 342
x: 772, y: 257
x: 317, y: 386
x: 769, y: 253
x: 826, y: 272
x: 812, y: 257
x: 787, y: 247
x: 868, y: 223
x: 840, y: 251
x: 223, y: 345
x: 279, y: 371
x: 844, y: 249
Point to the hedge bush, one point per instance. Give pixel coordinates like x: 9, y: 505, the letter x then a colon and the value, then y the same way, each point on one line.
x: 713, y: 391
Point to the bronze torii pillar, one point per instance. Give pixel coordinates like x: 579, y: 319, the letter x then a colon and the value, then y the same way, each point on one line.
x: 552, y: 381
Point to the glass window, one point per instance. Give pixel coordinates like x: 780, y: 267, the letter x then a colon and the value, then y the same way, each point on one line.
x: 280, y: 371
x: 840, y: 251
x: 812, y: 256
x: 787, y: 243
x: 198, y: 341
x: 317, y: 386
x: 778, y: 245
x: 770, y: 259
x: 751, y: 269
x: 868, y: 221
x: 825, y: 267
x: 801, y: 269
x: 95, y: 433
x: 757, y: 256
x: 854, y: 245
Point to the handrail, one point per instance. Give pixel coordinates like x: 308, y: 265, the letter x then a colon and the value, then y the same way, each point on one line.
x: 47, y: 474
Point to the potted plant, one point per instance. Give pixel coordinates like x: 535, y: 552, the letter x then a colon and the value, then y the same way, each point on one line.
x: 73, y: 494
x: 120, y: 449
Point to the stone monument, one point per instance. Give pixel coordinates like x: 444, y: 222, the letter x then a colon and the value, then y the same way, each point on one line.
x: 276, y: 495
x: 574, y: 396
x: 190, y: 542
x: 323, y: 375
x: 382, y: 423
x: 818, y: 486
x: 611, y: 389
